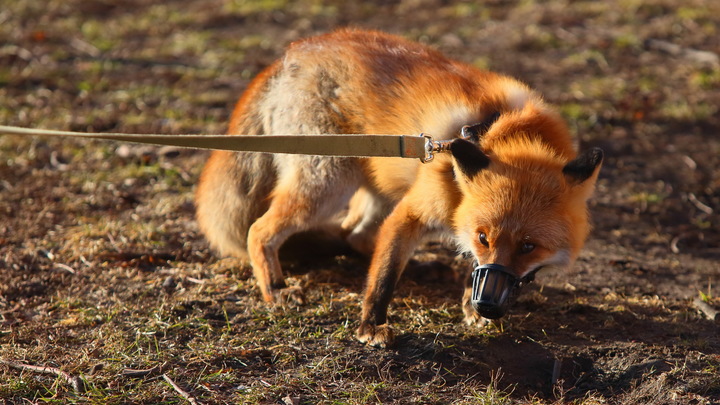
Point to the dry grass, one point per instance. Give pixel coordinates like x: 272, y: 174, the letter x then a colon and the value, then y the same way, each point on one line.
x: 104, y: 271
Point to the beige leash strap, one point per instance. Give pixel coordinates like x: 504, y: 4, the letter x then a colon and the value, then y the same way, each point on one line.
x: 352, y: 145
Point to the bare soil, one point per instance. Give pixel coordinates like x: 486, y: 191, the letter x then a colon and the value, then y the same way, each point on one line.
x: 103, y: 269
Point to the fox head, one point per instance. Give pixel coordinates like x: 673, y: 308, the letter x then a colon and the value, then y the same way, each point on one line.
x: 523, y: 207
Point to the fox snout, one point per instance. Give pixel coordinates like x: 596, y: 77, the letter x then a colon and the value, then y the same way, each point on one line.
x: 494, y: 289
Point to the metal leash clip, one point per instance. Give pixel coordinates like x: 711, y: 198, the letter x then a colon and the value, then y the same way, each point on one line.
x: 432, y: 147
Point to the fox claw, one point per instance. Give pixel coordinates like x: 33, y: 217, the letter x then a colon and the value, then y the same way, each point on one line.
x: 380, y: 336
x: 476, y: 321
x: 289, y: 294
x: 472, y: 318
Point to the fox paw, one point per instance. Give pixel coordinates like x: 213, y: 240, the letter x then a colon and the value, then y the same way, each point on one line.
x: 361, y: 243
x: 477, y: 321
x: 286, y: 295
x: 380, y: 336
x: 474, y: 319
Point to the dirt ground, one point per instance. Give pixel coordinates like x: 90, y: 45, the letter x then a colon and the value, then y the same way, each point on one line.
x: 103, y: 270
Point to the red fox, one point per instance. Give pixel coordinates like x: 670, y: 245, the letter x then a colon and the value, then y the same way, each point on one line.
x: 513, y: 192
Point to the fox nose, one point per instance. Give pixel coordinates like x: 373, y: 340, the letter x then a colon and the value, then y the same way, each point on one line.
x: 492, y: 290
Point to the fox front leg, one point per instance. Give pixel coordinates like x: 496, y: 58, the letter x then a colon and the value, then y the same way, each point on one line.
x: 397, y: 239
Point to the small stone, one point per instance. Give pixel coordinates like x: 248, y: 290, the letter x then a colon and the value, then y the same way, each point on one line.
x: 169, y: 284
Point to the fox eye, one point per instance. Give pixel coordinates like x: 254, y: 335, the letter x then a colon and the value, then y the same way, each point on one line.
x: 482, y: 237
x: 527, y: 247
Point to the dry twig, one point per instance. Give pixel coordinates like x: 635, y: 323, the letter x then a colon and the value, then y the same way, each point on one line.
x: 699, y: 204
x: 180, y: 391
x: 135, y: 373
x: 76, y: 382
x: 64, y: 267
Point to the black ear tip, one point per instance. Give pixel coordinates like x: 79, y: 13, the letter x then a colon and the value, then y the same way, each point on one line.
x: 476, y: 131
x: 459, y: 144
x: 583, y: 166
x: 468, y: 156
x: 591, y: 157
x: 463, y: 149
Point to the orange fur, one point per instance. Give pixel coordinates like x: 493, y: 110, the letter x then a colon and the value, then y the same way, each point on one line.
x: 354, y: 81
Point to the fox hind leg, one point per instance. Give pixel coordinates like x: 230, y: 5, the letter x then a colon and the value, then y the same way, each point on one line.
x: 232, y: 193
x: 310, y: 191
x: 367, y: 210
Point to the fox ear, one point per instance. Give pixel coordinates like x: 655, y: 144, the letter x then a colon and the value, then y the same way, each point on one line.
x: 584, y: 166
x: 469, y: 159
x: 476, y: 131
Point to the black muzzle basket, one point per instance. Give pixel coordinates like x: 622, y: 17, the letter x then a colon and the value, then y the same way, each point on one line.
x: 494, y: 288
